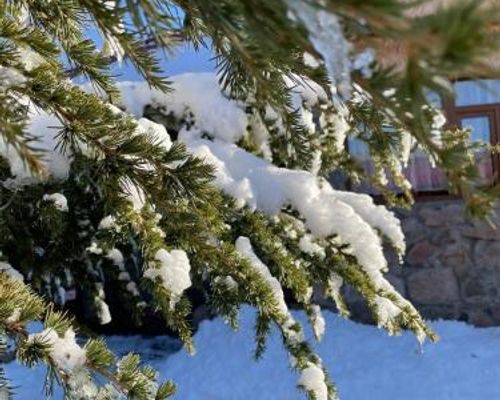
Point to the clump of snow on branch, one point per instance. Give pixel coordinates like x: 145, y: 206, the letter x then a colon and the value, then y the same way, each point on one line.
x: 173, y: 270
x: 12, y: 273
x: 108, y: 222
x: 213, y: 114
x: 378, y: 216
x: 304, y: 90
x: 156, y: 131
x: 318, y: 322
x: 195, y: 95
x: 65, y: 351
x: 387, y: 312
x: 219, y: 117
x: 160, y: 136
x: 94, y: 248
x: 226, y: 281
x: 308, y: 246
x: 69, y: 358
x: 116, y: 257
x: 312, y: 379
x: 43, y: 127
x: 337, y: 123
x: 326, y: 211
x: 244, y: 247
x: 293, y: 333
x: 103, y: 313
x: 326, y: 35
x: 362, y: 62
x: 58, y: 200
x: 309, y: 379
x: 334, y: 286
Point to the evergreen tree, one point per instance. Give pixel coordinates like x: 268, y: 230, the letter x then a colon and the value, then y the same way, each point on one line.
x: 215, y: 183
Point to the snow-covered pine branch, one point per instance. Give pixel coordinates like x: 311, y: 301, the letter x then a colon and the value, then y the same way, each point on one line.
x: 214, y: 184
x: 77, y: 367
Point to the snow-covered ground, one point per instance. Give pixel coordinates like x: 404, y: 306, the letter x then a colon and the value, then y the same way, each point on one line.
x: 363, y: 360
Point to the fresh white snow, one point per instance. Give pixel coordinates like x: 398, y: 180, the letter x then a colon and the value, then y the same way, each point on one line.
x: 196, y: 97
x: 364, y: 361
x: 173, y: 270
x: 59, y: 200
x: 326, y: 211
x: 65, y: 351
x: 11, y: 272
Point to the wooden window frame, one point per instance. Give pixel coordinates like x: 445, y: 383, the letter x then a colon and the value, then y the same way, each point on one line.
x: 454, y: 114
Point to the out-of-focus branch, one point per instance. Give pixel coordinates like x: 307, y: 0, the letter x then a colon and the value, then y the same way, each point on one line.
x: 149, y: 44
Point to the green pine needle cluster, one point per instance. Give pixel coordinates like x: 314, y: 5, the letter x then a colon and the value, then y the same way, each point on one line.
x: 103, y: 241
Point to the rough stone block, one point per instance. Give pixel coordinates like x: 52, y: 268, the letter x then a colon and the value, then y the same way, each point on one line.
x: 487, y: 253
x: 480, y: 287
x: 481, y: 230
x: 397, y: 282
x: 421, y: 252
x: 434, y: 312
x: 414, y: 230
x: 433, y: 286
x: 480, y: 315
x: 433, y: 217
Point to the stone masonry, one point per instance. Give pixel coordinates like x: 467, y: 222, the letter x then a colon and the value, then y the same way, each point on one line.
x: 452, y: 265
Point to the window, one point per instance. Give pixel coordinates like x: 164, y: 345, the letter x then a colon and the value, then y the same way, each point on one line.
x: 477, y: 107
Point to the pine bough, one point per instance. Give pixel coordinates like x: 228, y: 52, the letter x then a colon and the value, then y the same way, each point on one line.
x: 215, y: 183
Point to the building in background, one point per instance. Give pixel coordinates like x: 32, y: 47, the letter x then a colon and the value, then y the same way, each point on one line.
x: 452, y: 267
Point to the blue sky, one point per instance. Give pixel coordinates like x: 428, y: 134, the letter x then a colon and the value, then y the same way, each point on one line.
x: 184, y: 60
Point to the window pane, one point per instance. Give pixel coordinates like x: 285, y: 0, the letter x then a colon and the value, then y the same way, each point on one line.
x: 359, y: 150
x: 420, y: 172
x: 434, y: 99
x: 480, y: 127
x: 484, y: 91
x: 423, y: 176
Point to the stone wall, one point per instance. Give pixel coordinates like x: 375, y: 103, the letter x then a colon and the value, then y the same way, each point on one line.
x: 452, y: 265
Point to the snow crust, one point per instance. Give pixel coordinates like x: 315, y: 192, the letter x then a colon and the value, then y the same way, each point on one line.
x: 365, y: 363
